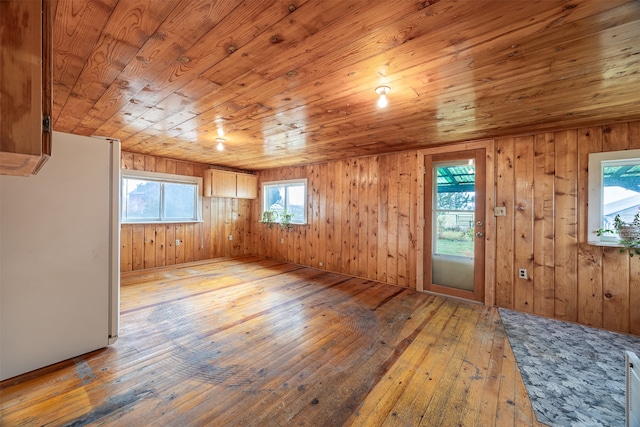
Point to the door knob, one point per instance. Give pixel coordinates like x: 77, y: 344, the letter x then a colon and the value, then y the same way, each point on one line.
x: 479, y: 234
x: 479, y: 223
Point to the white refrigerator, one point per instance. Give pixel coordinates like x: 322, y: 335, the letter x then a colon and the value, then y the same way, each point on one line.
x: 59, y: 256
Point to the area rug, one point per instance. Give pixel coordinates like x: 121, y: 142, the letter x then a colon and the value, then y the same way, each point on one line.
x: 574, y: 374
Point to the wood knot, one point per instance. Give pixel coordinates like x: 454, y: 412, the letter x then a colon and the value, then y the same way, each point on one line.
x: 232, y: 48
x: 292, y: 8
x: 608, y: 295
x: 276, y: 39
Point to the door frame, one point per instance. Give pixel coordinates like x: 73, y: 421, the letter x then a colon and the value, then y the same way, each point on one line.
x: 490, y: 221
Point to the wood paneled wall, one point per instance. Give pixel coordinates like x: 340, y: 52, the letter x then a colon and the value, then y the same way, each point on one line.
x: 361, y: 218
x: 543, y: 181
x: 154, y: 245
x: 362, y: 222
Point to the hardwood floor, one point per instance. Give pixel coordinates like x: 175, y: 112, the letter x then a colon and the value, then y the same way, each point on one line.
x: 248, y: 341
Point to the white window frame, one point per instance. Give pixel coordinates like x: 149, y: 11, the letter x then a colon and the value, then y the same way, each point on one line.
x: 597, y: 161
x: 167, y: 178
x: 286, y: 183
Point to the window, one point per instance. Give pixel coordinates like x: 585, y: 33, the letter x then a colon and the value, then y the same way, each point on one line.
x: 149, y: 197
x: 286, y: 196
x: 614, y: 189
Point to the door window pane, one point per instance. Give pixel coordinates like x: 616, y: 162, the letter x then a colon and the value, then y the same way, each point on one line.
x: 453, y: 225
x: 455, y: 210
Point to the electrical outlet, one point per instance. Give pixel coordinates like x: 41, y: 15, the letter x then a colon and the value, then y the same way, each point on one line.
x: 500, y: 211
x: 230, y: 236
x: 178, y: 241
x: 522, y: 273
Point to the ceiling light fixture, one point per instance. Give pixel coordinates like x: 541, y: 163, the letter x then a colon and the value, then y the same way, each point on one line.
x: 220, y: 142
x: 383, y: 91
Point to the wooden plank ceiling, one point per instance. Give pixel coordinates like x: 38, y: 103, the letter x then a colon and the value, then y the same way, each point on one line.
x: 293, y: 81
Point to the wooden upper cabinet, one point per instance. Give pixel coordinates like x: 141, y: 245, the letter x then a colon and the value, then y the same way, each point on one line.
x: 247, y: 186
x: 25, y: 85
x: 219, y: 183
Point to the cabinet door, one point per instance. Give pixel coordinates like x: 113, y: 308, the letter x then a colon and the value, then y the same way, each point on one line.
x: 219, y: 183
x: 25, y: 76
x: 247, y: 186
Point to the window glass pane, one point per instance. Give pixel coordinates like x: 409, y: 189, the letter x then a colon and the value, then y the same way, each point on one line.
x: 179, y: 201
x: 454, y: 234
x: 141, y: 199
x: 621, y: 192
x: 275, y: 198
x: 456, y: 188
x: 296, y: 202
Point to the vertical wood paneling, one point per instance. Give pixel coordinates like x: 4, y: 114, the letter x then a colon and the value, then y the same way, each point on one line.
x: 314, y: 256
x: 338, y: 212
x: 354, y: 217
x: 615, y: 265
x: 329, y: 188
x: 404, y: 214
x: 543, y: 229
x: 125, y: 248
x: 566, y: 242
x: 590, y: 293
x: 197, y: 242
x: 188, y: 242
x: 322, y: 215
x: 127, y: 160
x: 363, y: 217
x: 170, y: 236
x: 346, y: 219
x: 149, y: 246
x: 615, y: 284
x: 138, y: 161
x: 392, y: 218
x: 372, y: 226
x: 180, y: 246
x: 523, y: 222
x: 161, y: 255
x: 137, y: 246
x: 383, y: 216
x: 505, y: 190
x: 413, y: 218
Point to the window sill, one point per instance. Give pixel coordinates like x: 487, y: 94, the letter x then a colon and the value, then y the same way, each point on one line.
x: 605, y: 243
x: 278, y: 223
x: 161, y: 222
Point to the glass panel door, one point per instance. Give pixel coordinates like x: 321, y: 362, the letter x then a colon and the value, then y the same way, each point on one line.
x: 454, y: 231
x: 453, y: 223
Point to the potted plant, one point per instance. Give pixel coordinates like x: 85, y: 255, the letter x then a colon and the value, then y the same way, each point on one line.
x: 269, y: 217
x: 629, y: 233
x: 285, y: 220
